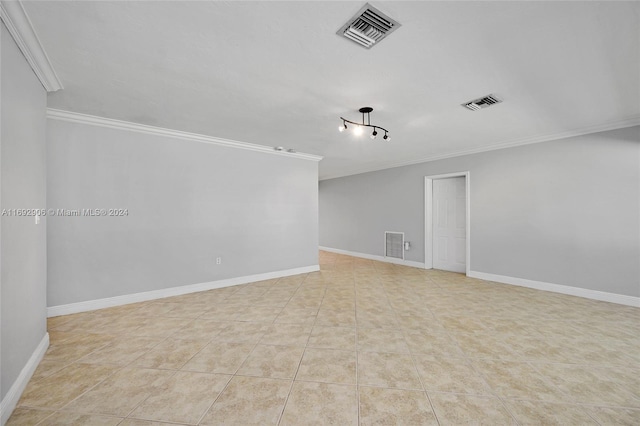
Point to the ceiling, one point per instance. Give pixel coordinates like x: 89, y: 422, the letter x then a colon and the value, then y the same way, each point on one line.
x: 276, y: 74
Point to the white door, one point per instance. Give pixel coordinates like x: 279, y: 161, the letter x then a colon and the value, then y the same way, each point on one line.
x: 449, y: 224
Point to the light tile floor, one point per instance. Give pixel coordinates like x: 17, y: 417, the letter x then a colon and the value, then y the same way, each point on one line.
x: 359, y: 342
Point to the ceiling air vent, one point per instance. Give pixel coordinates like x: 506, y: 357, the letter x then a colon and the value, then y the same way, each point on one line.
x: 368, y: 27
x: 481, y: 103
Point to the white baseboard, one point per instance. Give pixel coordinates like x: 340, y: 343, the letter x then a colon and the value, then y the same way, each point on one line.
x: 90, y: 305
x: 12, y: 397
x: 375, y: 257
x: 620, y: 299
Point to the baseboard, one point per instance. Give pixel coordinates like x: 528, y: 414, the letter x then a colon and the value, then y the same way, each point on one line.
x: 90, y: 305
x: 374, y: 257
x: 620, y: 299
x: 12, y: 397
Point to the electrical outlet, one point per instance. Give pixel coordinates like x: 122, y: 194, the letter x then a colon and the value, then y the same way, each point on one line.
x: 218, y: 260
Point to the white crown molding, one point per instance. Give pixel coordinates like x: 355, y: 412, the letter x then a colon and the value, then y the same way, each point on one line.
x: 402, y: 262
x: 12, y: 397
x: 604, y: 296
x: 620, y: 124
x: 90, y: 305
x: 19, y: 25
x: 92, y: 120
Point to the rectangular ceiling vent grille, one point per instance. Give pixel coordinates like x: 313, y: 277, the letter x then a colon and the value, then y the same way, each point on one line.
x: 368, y: 27
x: 481, y: 103
x: 394, y: 244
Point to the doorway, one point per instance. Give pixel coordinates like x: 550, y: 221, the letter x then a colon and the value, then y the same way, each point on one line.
x: 447, y: 222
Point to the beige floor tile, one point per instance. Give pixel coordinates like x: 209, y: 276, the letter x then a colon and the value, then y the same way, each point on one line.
x: 459, y: 409
x: 120, y: 393
x: 387, y: 370
x: 595, y: 385
x: 616, y: 416
x: 138, y: 422
x: 76, y: 347
x: 160, y: 326
x: 76, y: 419
x: 63, y: 386
x: 121, y: 352
x: 540, y: 413
x: 249, y: 401
x: 220, y: 312
x: 484, y: 346
x: 47, y: 368
x: 528, y: 346
x: 450, y: 375
x: 272, y: 361
x: 328, y: 365
x: 432, y: 343
x: 373, y: 320
x: 220, y: 357
x: 183, y: 398
x: 201, y: 329
x: 245, y: 332
x: 187, y: 310
x: 518, y: 380
x: 332, y: 338
x: 321, y: 404
x: 297, y: 316
x: 380, y: 406
x: 334, y: 318
x: 27, y: 417
x: 170, y: 353
x: 286, y: 335
x: 266, y: 314
x: 381, y: 340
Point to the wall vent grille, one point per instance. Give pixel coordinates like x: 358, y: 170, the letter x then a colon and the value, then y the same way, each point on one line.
x: 368, y: 27
x: 480, y: 103
x: 394, y: 244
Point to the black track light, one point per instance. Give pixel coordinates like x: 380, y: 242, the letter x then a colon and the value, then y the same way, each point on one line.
x: 359, y: 126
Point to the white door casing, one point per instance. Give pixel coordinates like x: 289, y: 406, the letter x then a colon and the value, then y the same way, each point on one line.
x: 447, y: 222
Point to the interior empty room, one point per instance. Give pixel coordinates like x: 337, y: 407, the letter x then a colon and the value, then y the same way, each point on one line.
x: 319, y: 213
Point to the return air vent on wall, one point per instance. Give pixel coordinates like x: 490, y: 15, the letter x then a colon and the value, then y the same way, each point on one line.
x: 394, y: 244
x: 480, y: 103
x: 368, y: 27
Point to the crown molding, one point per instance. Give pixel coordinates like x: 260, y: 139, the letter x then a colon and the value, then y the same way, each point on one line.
x: 19, y: 25
x: 92, y: 120
x: 620, y: 124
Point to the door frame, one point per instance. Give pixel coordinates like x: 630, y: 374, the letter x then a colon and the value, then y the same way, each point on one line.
x: 428, y: 216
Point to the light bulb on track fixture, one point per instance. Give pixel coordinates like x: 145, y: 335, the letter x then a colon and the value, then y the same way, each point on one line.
x: 359, y: 127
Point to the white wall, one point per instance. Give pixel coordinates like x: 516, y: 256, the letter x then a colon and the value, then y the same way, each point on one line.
x: 23, y: 245
x: 188, y: 203
x: 563, y: 212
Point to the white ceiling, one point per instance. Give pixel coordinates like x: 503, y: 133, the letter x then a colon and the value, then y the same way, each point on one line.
x: 276, y: 74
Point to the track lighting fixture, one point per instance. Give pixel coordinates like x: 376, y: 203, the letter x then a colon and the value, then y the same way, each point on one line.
x: 359, y: 127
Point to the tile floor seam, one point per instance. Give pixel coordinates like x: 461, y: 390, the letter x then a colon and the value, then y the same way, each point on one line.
x: 205, y: 412
x: 89, y: 389
x: 355, y: 313
x: 415, y: 367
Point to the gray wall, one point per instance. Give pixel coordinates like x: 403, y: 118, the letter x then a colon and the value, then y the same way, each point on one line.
x: 563, y: 212
x: 188, y: 203
x: 22, y: 242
